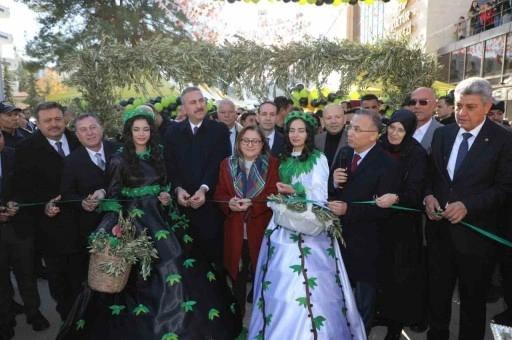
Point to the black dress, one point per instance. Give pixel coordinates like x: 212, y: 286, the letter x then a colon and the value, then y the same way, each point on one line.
x: 184, y: 297
x: 402, y: 275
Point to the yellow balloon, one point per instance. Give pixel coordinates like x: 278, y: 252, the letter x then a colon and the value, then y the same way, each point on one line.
x: 369, y: 2
x: 325, y: 91
x: 354, y: 95
x: 314, y: 94
x: 303, y: 2
x: 311, y: 2
x: 336, y: 2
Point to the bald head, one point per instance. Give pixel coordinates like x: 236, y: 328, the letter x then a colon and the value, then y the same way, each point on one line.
x: 423, y: 104
x: 334, y: 118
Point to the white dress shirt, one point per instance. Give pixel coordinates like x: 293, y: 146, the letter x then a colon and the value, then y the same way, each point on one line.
x: 420, y: 132
x: 270, y: 138
x: 65, y: 145
x: 92, y: 154
x: 455, y: 149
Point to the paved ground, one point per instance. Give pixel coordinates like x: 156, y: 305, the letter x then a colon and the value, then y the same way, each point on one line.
x: 25, y: 332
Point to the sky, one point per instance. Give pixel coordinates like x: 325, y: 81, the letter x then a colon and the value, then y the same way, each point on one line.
x: 21, y: 25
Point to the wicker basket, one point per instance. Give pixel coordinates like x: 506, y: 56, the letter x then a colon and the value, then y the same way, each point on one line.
x: 100, y: 281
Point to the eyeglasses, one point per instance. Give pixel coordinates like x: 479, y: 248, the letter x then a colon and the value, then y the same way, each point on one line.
x: 226, y: 112
x: 392, y: 129
x: 254, y: 142
x: 357, y: 129
x: 423, y: 102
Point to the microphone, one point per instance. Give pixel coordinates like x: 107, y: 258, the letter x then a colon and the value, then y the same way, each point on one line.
x: 343, y: 161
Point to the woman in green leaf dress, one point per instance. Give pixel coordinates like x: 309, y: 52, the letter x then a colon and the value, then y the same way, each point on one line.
x: 301, y: 289
x: 183, y: 297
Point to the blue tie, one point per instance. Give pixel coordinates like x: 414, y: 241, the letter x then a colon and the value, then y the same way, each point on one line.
x: 195, y: 130
x: 60, y: 150
x: 463, y: 150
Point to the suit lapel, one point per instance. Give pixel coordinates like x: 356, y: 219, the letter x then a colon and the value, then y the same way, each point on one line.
x: 366, y: 161
x: 479, y: 145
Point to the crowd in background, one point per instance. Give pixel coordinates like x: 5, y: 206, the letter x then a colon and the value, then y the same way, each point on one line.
x: 450, y: 156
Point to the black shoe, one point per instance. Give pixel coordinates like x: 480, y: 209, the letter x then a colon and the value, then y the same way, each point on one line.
x: 392, y: 336
x: 494, y: 293
x: 38, y: 322
x: 418, y: 327
x: 504, y: 318
x: 16, y: 308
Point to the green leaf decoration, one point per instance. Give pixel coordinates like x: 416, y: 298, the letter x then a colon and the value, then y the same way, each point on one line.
x: 344, y: 310
x: 173, y: 278
x: 188, y: 306
x: 268, y: 319
x: 330, y: 251
x: 187, y: 239
x: 297, y: 268
x: 162, y: 234
x: 232, y: 308
x: 210, y: 276
x: 113, y: 241
x: 260, y: 304
x: 307, y: 251
x: 136, y: 213
x: 264, y: 267
x: 116, y: 309
x: 80, y: 324
x: 243, y: 334
x: 259, y: 337
x: 169, y: 336
x: 302, y: 301
x: 265, y: 285
x: 213, y: 313
x: 319, y: 322
x: 294, y: 237
x: 140, y: 309
x: 189, y: 263
x: 271, y: 251
x: 109, y: 205
x: 312, y: 282
x: 268, y: 232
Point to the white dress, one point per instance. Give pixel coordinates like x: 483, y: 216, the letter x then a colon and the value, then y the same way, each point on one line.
x: 301, y: 288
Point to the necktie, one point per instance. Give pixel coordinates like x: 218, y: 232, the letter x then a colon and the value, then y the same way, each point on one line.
x: 59, y: 149
x: 463, y: 150
x: 195, y: 130
x: 353, y: 165
x: 99, y: 161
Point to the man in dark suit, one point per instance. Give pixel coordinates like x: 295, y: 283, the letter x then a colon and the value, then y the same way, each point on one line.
x: 267, y: 118
x: 227, y: 115
x: 85, y: 175
x: 15, y: 253
x: 366, y: 170
x: 193, y: 151
x: 37, y: 175
x: 470, y: 177
x: 334, y: 138
x: 445, y: 110
x: 9, y: 123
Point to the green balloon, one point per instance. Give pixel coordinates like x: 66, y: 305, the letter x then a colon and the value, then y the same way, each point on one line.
x: 137, y: 102
x: 209, y: 105
x: 159, y: 107
x: 174, y: 114
x: 129, y: 107
x: 173, y: 99
x: 304, y: 93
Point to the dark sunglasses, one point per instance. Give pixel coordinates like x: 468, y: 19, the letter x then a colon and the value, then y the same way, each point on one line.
x: 423, y: 102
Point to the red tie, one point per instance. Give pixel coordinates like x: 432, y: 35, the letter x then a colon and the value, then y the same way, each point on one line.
x: 353, y: 165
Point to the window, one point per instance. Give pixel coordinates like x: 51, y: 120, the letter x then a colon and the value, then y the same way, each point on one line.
x: 473, y: 60
x: 457, y: 66
x: 444, y: 61
x: 493, y: 56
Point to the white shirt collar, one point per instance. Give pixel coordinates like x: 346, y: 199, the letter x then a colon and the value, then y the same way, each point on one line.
x: 420, y: 132
x: 192, y: 125
x: 364, y: 153
x: 473, y: 132
x: 92, y: 154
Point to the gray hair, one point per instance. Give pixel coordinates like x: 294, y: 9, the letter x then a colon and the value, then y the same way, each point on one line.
x: 226, y: 102
x: 475, y: 86
x: 373, y: 116
x: 188, y: 90
x: 84, y: 115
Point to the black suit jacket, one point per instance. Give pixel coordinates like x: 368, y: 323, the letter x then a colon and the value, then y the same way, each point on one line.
x: 37, y: 175
x: 278, y: 145
x: 7, y: 156
x: 194, y: 160
x: 82, y: 177
x: 377, y: 174
x: 482, y: 183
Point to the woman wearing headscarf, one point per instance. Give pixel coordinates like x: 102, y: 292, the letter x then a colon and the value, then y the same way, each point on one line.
x: 400, y: 298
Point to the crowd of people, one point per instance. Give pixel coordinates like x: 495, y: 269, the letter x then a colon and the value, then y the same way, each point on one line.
x: 482, y: 17
x: 443, y: 160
